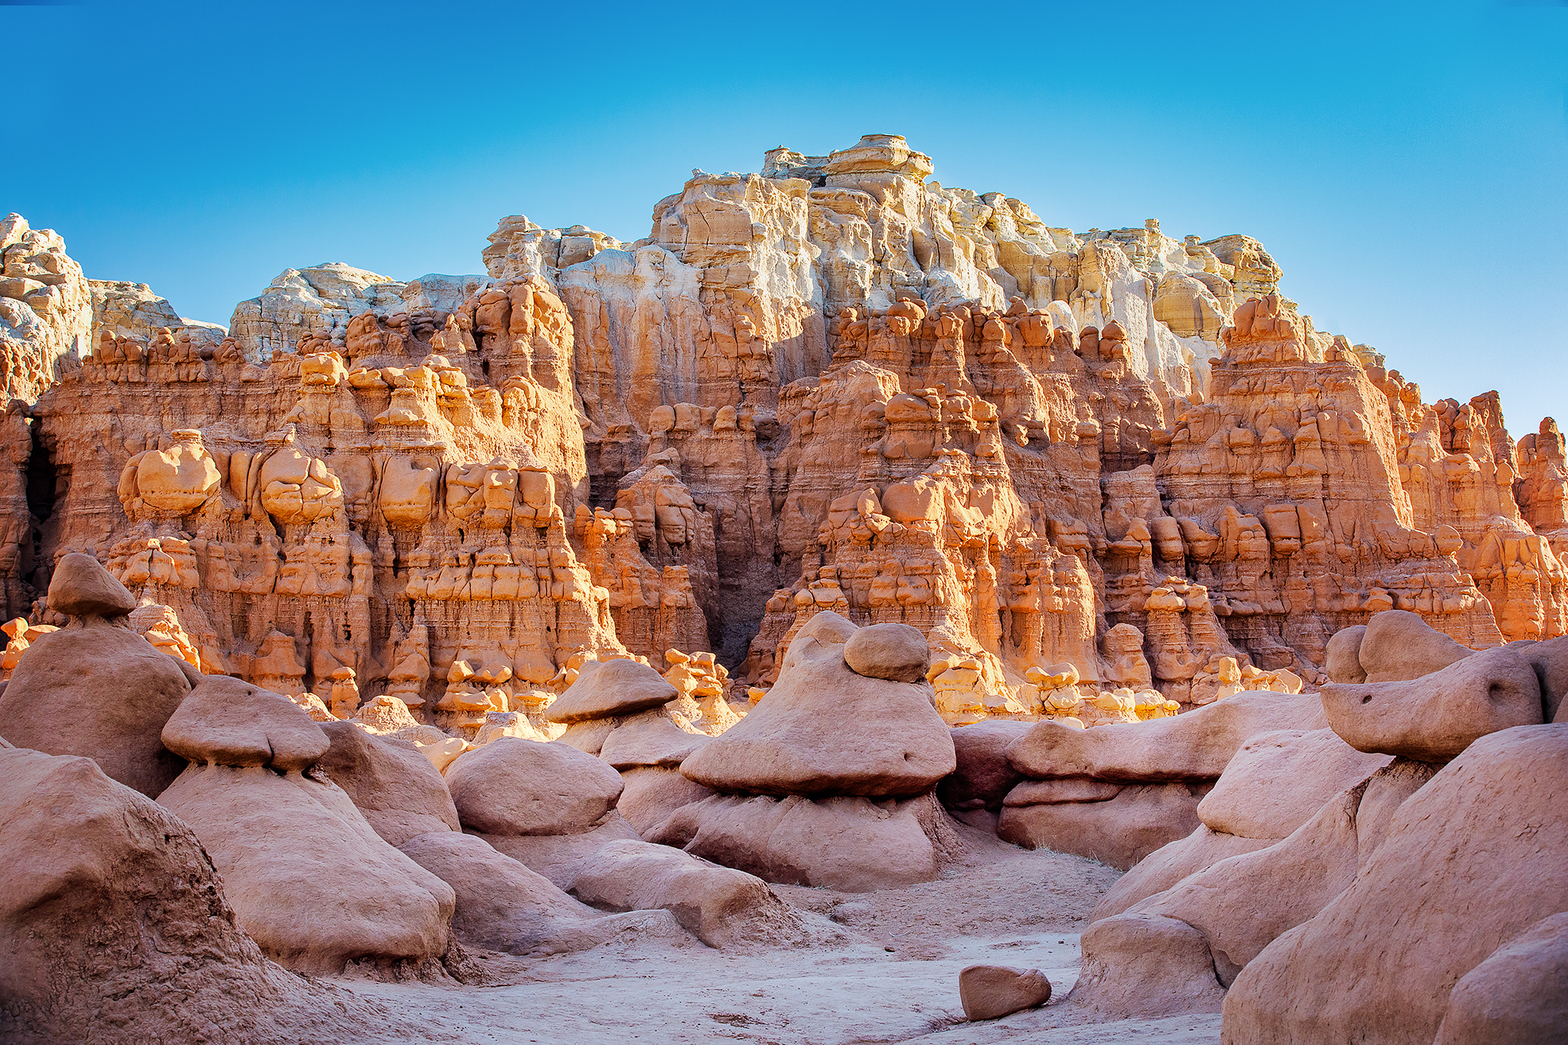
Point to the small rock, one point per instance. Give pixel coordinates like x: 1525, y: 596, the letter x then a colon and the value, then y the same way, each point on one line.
x: 990, y: 992
x: 895, y: 652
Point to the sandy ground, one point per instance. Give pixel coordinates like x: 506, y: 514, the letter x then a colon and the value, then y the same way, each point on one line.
x: 883, y: 967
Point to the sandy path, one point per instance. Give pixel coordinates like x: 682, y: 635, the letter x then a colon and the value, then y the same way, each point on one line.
x: 884, y: 969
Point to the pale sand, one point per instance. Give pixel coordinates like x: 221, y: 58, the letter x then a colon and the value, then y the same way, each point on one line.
x: 884, y: 968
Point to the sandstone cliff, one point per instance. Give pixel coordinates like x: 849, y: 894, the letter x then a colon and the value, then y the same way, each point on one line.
x: 1085, y: 465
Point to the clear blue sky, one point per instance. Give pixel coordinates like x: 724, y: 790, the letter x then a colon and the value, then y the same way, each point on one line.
x: 1406, y: 165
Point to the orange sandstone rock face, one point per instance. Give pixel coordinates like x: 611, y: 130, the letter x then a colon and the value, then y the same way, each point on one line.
x: 1107, y: 476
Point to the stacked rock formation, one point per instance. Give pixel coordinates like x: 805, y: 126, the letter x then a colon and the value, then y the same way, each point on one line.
x: 1107, y: 475
x: 1277, y: 909
x: 829, y: 780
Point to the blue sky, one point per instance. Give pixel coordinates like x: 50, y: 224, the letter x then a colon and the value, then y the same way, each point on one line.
x: 1407, y: 165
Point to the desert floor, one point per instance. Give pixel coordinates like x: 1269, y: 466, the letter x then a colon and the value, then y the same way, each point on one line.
x: 882, y: 967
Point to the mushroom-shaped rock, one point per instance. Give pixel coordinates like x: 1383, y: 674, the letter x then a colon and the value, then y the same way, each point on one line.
x: 394, y: 786
x: 824, y: 729
x: 849, y: 843
x: 1399, y: 645
x: 1435, y: 717
x: 308, y: 878
x: 81, y: 587
x: 228, y: 722
x: 97, y: 688
x: 513, y: 786
x: 989, y: 992
x: 895, y: 652
x: 115, y: 926
x: 613, y: 687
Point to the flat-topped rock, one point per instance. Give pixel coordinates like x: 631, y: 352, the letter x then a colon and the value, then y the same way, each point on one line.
x: 613, y: 687
x: 228, y: 722
x: 1196, y: 745
x: 81, y: 587
x: 1435, y: 717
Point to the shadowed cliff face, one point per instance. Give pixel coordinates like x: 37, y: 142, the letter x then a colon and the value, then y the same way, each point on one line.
x: 1106, y: 474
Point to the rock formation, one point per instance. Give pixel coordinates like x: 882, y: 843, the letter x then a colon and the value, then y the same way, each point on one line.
x: 1107, y: 475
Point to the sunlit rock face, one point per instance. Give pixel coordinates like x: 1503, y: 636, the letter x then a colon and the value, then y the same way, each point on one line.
x: 1107, y: 475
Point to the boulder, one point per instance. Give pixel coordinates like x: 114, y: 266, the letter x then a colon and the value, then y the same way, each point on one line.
x: 81, y: 587
x: 613, y: 687
x: 392, y: 784
x: 847, y: 843
x: 96, y: 688
x: 823, y: 729
x: 1278, y: 781
x: 1342, y: 655
x: 228, y: 722
x: 503, y: 906
x: 522, y: 787
x: 308, y: 878
x: 1435, y: 717
x: 1517, y: 996
x: 649, y: 739
x: 895, y: 652
x: 611, y: 867
x: 1484, y: 839
x: 1145, y: 966
x: 989, y: 992
x: 115, y: 927
x: 1196, y: 745
x: 983, y: 775
x: 1398, y: 645
x: 1118, y: 831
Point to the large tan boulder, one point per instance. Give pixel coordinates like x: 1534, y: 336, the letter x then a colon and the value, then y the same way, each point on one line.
x: 503, y: 906
x: 612, y: 867
x: 1484, y: 841
x: 115, y: 928
x: 649, y: 739
x: 1277, y: 781
x: 613, y: 687
x: 824, y: 729
x: 1435, y: 717
x: 308, y: 878
x: 95, y: 687
x: 228, y: 722
x: 848, y: 842
x: 390, y: 781
x: 513, y: 786
x: 1196, y: 745
x: 1399, y: 645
